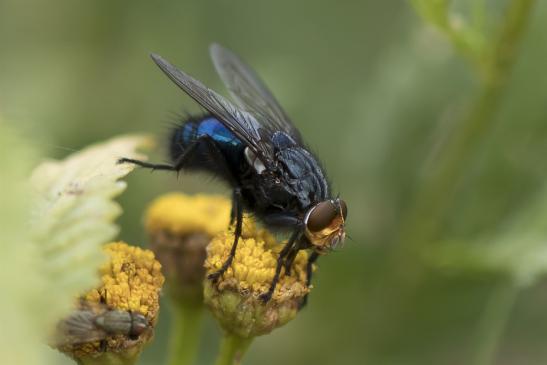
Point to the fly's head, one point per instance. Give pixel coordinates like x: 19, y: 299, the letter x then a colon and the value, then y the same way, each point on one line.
x: 325, y: 224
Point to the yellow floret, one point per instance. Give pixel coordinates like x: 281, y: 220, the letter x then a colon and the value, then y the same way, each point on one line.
x: 253, y: 267
x: 131, y: 280
x: 235, y: 298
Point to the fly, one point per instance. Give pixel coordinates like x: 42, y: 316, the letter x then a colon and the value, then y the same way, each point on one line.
x: 255, y: 148
x: 97, y: 323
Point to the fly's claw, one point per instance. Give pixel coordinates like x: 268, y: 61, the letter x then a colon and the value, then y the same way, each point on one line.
x: 215, y: 276
x: 265, y: 297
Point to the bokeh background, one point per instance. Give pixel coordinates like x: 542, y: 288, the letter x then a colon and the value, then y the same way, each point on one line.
x: 375, y: 92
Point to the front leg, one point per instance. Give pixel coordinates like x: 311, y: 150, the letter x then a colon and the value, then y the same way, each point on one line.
x: 285, y: 220
x: 290, y: 260
x: 265, y: 297
x: 309, y: 271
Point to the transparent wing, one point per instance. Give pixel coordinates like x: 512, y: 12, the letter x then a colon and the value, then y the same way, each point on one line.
x: 79, y: 327
x: 241, y: 123
x: 250, y: 92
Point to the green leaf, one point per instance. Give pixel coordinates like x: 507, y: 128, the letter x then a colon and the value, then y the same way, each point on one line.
x: 74, y: 213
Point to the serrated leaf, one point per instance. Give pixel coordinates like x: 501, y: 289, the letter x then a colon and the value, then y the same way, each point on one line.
x: 74, y: 213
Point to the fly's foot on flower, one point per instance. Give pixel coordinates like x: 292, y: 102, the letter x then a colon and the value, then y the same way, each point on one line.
x: 265, y: 297
x: 215, y: 276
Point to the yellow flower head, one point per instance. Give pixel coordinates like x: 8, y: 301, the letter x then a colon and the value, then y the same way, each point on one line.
x: 181, y: 214
x: 131, y: 284
x: 234, y: 299
x: 180, y: 227
x: 131, y: 280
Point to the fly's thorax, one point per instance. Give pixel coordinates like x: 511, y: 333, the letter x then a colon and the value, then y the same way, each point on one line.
x: 325, y: 224
x: 304, y: 175
x: 270, y: 191
x: 122, y: 322
x: 115, y: 321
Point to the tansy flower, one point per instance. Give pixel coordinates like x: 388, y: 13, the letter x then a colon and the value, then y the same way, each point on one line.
x: 180, y: 227
x: 234, y: 299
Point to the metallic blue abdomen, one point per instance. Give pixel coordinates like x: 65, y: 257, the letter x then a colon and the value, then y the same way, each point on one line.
x: 213, y: 128
x: 229, y: 146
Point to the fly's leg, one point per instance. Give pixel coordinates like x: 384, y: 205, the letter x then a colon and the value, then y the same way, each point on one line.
x: 285, y: 220
x: 290, y: 260
x: 216, y: 154
x: 238, y: 209
x: 103, y: 346
x: 233, y: 210
x: 265, y: 297
x: 176, y: 166
x: 309, y: 271
x: 206, y: 141
x: 148, y: 165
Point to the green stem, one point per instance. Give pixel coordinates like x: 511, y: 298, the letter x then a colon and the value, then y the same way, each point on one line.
x: 232, y: 349
x: 185, y: 333
x: 439, y: 186
x: 493, y: 322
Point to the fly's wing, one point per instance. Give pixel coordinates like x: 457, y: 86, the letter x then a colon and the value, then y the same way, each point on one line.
x: 250, y: 92
x: 79, y: 327
x: 241, y: 123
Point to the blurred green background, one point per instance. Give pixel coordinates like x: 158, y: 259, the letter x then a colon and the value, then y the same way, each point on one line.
x: 375, y: 92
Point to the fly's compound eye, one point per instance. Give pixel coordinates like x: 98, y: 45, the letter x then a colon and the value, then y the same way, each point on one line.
x: 322, y: 216
x: 139, y: 325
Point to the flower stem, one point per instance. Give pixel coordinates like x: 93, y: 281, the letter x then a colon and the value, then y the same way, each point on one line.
x: 493, y: 322
x: 185, y: 333
x: 232, y: 349
x: 440, y: 184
